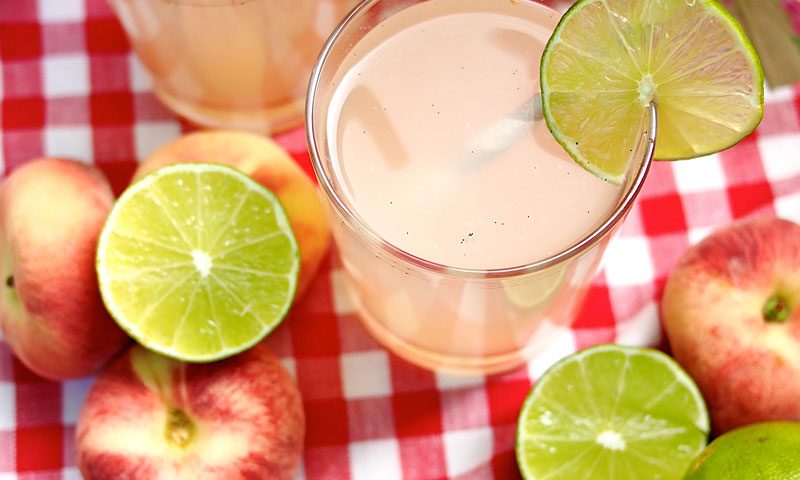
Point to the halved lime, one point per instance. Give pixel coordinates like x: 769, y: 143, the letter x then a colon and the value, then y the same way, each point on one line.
x: 607, y: 60
x: 612, y: 412
x: 197, y: 262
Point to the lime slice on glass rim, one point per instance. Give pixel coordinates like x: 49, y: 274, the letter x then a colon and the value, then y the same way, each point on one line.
x: 197, y: 262
x: 612, y: 413
x: 607, y: 60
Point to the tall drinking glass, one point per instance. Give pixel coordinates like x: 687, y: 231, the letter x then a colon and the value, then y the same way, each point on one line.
x: 231, y: 63
x: 467, y: 235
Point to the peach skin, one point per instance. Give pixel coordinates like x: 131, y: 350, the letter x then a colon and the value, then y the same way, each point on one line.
x: 51, y: 313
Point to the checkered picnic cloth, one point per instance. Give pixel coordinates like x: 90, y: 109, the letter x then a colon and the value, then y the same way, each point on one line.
x: 70, y: 87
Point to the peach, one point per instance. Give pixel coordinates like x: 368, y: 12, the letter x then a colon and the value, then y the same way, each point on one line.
x: 151, y: 417
x: 51, y: 313
x: 731, y: 311
x: 268, y: 164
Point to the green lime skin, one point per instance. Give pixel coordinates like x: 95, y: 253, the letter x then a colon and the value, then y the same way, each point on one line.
x: 762, y: 451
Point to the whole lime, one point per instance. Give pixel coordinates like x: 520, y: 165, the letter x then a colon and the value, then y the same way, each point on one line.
x: 762, y: 451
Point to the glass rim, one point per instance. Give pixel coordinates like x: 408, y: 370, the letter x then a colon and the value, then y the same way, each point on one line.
x: 373, y: 238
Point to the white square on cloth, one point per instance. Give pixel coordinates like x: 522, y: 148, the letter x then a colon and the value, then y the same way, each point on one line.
x: 642, y: 330
x: 365, y: 374
x: 72, y: 141
x: 446, y: 381
x: 73, y: 393
x: 72, y: 473
x: 140, y: 79
x: 466, y: 449
x: 342, y: 304
x: 8, y: 406
x: 627, y: 262
x: 148, y: 136
x: 66, y: 75
x: 699, y: 174
x: 54, y: 11
x: 697, y: 234
x: 375, y: 459
x: 554, y: 343
x: 788, y: 207
x: 291, y: 366
x: 779, y: 155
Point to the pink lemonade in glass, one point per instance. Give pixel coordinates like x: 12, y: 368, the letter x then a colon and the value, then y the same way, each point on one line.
x: 231, y: 63
x: 468, y: 236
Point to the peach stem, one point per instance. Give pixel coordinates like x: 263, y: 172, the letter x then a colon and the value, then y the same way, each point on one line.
x: 776, y: 309
x: 180, y: 428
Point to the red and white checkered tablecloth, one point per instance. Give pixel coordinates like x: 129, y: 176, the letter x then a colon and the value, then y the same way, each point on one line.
x: 70, y: 86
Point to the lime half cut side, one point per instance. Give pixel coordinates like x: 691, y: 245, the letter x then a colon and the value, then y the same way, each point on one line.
x: 607, y: 60
x: 612, y: 413
x: 197, y: 262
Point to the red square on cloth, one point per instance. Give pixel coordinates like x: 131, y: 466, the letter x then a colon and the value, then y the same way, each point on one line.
x: 326, y: 462
x: 40, y: 448
x: 354, y: 336
x: 742, y: 162
x: 19, y: 113
x: 38, y: 404
x: 20, y: 40
x: 417, y: 413
x: 23, y: 375
x: 6, y: 365
x: 319, y: 377
x: 596, y: 311
x: 423, y: 457
x: 662, y: 214
x: 18, y: 12
x: 410, y: 378
x: 746, y: 199
x: 70, y: 451
x: 67, y: 111
x: 370, y: 418
x: 8, y: 451
x: 505, y: 398
x: 325, y: 338
x: 113, y: 144
x: 111, y: 108
x: 22, y: 78
x: 666, y: 250
x: 280, y: 341
x: 504, y: 462
x: 110, y: 73
x: 326, y: 422
x: 148, y: 107
x: 20, y: 146
x: 118, y: 173
x: 98, y: 9
x: 105, y: 35
x: 464, y: 408
x: 63, y: 38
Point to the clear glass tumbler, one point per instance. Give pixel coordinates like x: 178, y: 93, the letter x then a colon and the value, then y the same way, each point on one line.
x: 231, y: 63
x: 436, y: 316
